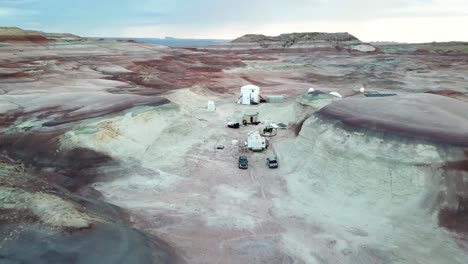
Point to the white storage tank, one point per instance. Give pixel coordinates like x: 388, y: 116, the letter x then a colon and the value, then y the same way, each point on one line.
x: 211, y: 106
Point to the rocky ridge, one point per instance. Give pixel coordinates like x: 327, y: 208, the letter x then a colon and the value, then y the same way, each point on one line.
x: 14, y: 34
x: 303, y: 40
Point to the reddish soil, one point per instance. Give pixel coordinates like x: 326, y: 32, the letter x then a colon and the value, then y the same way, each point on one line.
x: 452, y: 94
x: 73, y: 169
x: 71, y: 117
x: 178, y: 71
x: 15, y: 75
x: 24, y: 38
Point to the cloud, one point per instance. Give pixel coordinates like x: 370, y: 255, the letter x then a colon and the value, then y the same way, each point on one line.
x: 398, y: 19
x: 405, y: 29
x: 17, y: 2
x: 252, y: 11
x: 229, y: 19
x: 224, y: 31
x: 7, y: 11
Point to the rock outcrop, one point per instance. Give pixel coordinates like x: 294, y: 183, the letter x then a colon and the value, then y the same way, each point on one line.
x: 62, y: 36
x: 303, y: 40
x: 14, y: 34
x: 387, y: 166
x: 41, y: 222
x: 424, y: 116
x: 424, y: 131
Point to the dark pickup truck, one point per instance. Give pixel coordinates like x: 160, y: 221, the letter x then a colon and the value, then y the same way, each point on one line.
x: 243, y: 162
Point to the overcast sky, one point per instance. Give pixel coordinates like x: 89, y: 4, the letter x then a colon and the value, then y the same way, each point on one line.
x: 369, y: 20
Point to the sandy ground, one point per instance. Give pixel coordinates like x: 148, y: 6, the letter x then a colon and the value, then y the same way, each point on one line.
x: 321, y: 206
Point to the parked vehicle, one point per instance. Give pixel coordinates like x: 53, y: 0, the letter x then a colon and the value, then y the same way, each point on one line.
x: 272, y: 162
x: 256, y: 142
x: 269, y: 131
x: 243, y: 162
x: 233, y: 125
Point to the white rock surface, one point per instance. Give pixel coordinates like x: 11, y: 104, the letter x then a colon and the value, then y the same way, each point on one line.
x: 428, y: 116
x: 338, y: 196
x: 363, y: 48
x: 368, y: 191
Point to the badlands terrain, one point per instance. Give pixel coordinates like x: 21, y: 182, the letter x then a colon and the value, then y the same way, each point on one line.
x: 109, y: 155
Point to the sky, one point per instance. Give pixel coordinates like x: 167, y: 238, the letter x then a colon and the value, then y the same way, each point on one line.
x: 369, y: 20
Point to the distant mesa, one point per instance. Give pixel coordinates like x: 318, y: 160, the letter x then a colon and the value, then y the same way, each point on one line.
x: 14, y: 34
x: 293, y: 38
x: 342, y: 40
x: 62, y: 36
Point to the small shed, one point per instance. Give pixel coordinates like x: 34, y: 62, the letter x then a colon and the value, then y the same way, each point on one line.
x: 211, y: 106
x: 250, y: 118
x: 250, y: 94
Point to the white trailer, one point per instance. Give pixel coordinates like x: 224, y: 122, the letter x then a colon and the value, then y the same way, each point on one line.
x: 256, y: 142
x: 250, y: 94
